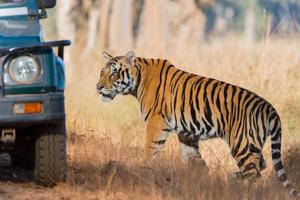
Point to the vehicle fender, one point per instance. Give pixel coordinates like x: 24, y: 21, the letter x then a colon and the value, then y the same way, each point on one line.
x: 60, y: 74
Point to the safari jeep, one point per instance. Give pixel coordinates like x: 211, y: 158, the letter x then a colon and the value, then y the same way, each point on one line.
x: 32, y: 114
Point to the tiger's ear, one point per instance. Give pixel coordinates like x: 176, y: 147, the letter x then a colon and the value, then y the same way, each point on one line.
x: 130, y: 57
x: 106, y: 55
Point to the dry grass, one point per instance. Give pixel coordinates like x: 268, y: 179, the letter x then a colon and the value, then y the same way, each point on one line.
x: 105, y: 145
x: 120, y: 169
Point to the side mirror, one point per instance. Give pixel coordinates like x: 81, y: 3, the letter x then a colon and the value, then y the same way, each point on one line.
x: 46, y: 3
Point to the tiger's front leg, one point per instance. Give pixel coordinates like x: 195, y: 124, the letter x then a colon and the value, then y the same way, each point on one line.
x: 156, y: 136
x: 190, y: 151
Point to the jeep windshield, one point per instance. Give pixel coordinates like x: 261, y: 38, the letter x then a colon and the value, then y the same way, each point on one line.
x: 19, y: 28
x: 5, y: 2
x: 13, y: 8
x: 10, y: 1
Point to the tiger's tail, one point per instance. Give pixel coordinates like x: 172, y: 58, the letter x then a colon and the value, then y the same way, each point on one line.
x: 275, y: 132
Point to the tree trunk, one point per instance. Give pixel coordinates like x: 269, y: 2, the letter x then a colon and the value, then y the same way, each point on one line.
x: 121, y: 35
x: 105, y: 22
x: 93, y: 22
x: 250, y: 25
x: 66, y: 28
x: 154, y: 29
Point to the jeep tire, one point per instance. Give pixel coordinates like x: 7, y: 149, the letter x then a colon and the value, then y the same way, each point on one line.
x: 50, y: 155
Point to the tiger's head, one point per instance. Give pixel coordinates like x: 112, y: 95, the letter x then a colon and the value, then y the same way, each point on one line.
x: 117, y: 76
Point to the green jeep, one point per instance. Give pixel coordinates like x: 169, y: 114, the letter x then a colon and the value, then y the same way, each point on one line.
x: 32, y: 80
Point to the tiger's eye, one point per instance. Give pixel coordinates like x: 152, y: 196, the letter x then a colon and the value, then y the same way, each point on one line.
x: 116, y: 74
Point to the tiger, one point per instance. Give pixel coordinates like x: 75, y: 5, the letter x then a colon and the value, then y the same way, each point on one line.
x: 196, y: 108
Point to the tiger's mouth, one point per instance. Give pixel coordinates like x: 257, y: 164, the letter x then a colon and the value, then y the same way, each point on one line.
x: 106, y: 95
x: 107, y: 98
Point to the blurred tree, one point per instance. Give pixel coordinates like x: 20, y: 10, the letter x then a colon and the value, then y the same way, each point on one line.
x: 110, y: 22
x: 250, y: 24
x: 274, y: 8
x: 207, y: 8
x: 121, y: 19
x: 285, y: 14
x: 93, y: 22
x: 137, y: 10
x: 154, y: 29
x: 164, y: 23
x: 293, y: 7
x: 105, y: 23
x: 218, y: 14
x: 65, y: 27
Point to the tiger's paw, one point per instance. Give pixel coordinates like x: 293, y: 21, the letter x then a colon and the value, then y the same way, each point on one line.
x: 236, y: 176
x: 197, y: 163
x: 249, y: 178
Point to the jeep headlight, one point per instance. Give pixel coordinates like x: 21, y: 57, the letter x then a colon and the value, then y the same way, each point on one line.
x: 23, y: 70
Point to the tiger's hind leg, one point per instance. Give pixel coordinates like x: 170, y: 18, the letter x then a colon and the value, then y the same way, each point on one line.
x: 250, y: 166
x: 249, y: 159
x: 262, y: 166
